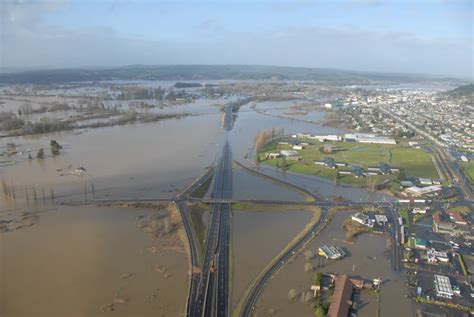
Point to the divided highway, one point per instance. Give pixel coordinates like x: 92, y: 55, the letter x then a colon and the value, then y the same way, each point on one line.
x: 211, y: 296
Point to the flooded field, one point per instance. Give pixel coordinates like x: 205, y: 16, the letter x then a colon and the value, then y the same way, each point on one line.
x: 367, y: 258
x: 84, y: 261
x: 150, y: 160
x: 249, y: 123
x: 251, y: 186
x: 258, y: 236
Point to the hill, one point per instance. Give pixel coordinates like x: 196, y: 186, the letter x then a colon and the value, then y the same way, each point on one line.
x: 465, y: 91
x: 201, y: 72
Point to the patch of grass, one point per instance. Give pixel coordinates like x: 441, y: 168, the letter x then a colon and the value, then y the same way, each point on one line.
x: 200, y: 228
x: 418, y: 217
x: 414, y: 162
x: 468, y: 168
x: 239, y: 206
x: 461, y: 209
x: 463, y: 265
x: 404, y: 215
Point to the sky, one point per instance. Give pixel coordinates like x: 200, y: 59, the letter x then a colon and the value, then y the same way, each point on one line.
x: 404, y: 36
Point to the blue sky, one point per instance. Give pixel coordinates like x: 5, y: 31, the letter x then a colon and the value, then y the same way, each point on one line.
x: 431, y: 36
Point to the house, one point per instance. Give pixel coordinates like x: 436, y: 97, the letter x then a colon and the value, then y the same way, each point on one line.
x: 358, y: 172
x: 442, y: 226
x: 341, y: 300
x: 330, y: 163
x: 383, y: 169
x: 457, y: 218
x: 361, y: 218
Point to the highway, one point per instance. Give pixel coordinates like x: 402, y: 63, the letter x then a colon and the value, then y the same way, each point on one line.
x: 211, y: 296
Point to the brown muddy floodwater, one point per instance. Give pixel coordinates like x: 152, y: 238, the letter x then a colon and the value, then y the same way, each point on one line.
x: 151, y: 160
x: 258, y: 236
x: 81, y: 261
x: 367, y: 258
x: 247, y: 185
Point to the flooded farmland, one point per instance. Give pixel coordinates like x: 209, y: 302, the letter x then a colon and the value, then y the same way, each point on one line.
x: 84, y: 261
x: 126, y: 162
x: 251, y: 186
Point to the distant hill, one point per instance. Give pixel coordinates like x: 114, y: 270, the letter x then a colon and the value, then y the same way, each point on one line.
x: 201, y: 72
x: 462, y: 91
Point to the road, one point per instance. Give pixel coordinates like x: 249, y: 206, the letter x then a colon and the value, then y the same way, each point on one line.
x: 252, y: 297
x: 211, y: 296
x: 449, y: 163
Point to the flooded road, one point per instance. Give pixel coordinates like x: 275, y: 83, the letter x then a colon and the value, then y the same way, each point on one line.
x: 367, y: 258
x: 258, y: 236
x: 76, y: 261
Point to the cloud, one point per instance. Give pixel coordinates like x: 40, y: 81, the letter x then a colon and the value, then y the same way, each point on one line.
x: 27, y: 42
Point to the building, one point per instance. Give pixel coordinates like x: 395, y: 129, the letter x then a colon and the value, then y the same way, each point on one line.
x: 331, y: 252
x: 288, y: 153
x: 437, y: 256
x: 406, y: 184
x: 443, y: 286
x: 425, y: 181
x: 419, y: 210
x: 383, y: 169
x: 420, y: 191
x: 341, y: 299
x: 272, y: 155
x: 330, y: 163
x: 442, y: 226
x: 368, y: 138
x: 421, y: 244
x: 361, y: 218
x: 381, y: 220
x: 457, y: 218
x: 323, y: 138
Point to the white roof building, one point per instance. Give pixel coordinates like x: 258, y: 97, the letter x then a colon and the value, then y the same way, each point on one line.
x: 288, y: 153
x: 443, y: 286
x: 420, y: 191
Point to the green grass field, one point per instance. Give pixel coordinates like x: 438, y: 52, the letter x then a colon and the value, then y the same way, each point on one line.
x: 468, y: 169
x: 414, y: 162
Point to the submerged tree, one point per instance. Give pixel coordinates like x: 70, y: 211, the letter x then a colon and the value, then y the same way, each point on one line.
x: 40, y: 154
x: 55, y: 147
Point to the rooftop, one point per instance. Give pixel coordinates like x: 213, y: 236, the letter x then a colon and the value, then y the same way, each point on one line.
x: 341, y: 300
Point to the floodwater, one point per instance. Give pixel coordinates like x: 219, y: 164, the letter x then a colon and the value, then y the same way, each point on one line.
x: 149, y: 160
x: 248, y: 186
x: 367, y: 258
x: 258, y: 236
x: 77, y: 260
x: 248, y: 124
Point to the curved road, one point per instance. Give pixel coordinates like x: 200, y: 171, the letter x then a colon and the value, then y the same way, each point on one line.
x: 280, y: 262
